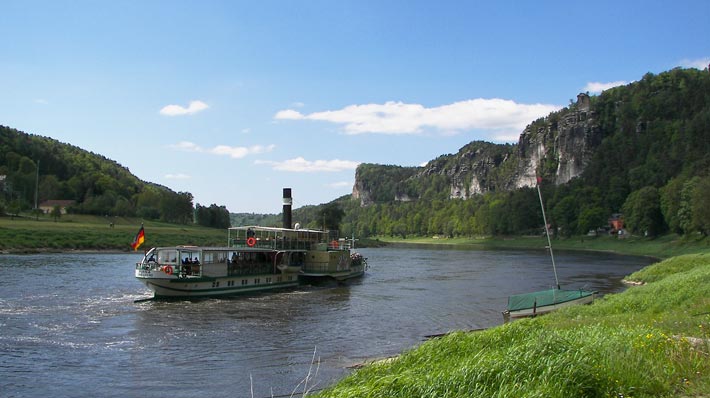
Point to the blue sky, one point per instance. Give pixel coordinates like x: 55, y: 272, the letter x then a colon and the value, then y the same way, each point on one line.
x: 234, y: 100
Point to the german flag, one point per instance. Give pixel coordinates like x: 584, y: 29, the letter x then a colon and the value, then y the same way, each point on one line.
x: 139, y: 239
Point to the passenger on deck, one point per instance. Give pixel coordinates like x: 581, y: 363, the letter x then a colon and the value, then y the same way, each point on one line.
x: 196, y: 261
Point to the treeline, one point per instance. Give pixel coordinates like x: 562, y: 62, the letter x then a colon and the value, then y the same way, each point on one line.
x: 35, y: 168
x: 652, y: 166
x: 213, y: 216
x: 267, y: 220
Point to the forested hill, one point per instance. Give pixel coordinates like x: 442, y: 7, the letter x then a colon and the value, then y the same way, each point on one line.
x: 642, y: 149
x: 95, y: 184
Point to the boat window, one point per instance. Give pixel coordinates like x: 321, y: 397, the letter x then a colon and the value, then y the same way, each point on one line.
x: 167, y: 256
x: 208, y: 257
x: 189, y: 257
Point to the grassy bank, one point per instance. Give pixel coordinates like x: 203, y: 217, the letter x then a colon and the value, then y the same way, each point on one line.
x: 662, y: 247
x: 79, y: 232
x: 650, y: 341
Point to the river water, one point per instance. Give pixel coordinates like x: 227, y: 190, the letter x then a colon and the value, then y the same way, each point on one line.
x: 69, y: 325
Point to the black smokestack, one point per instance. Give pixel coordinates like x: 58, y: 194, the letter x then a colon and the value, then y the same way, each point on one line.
x: 287, y: 208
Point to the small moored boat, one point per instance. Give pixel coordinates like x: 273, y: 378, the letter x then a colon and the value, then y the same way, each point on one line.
x: 544, y: 301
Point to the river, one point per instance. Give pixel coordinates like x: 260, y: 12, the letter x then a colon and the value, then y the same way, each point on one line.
x: 69, y: 325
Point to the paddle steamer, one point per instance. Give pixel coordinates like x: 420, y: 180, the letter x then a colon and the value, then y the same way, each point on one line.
x: 255, y: 259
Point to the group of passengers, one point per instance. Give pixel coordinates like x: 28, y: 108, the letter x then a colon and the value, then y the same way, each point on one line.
x: 190, y: 267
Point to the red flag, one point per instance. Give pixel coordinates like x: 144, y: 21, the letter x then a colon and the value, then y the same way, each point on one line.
x: 139, y: 239
x: 539, y: 180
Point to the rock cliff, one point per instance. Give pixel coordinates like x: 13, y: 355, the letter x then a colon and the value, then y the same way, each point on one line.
x: 558, y: 147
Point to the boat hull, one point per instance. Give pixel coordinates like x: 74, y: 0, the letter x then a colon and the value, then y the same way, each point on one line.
x: 582, y: 297
x: 176, y: 287
x: 338, y: 276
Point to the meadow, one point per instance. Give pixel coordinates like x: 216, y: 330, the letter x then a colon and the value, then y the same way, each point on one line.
x: 661, y: 247
x: 93, y: 233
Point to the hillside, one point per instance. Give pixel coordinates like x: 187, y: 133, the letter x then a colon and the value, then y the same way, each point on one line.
x: 642, y: 149
x: 94, y: 184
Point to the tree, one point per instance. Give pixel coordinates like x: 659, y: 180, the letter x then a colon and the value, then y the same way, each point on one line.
x: 642, y: 212
x: 685, y: 207
x: 176, y: 208
x: 56, y: 212
x: 701, y: 206
x: 670, y: 204
x: 332, y: 216
x: 213, y: 216
x: 564, y: 215
x: 591, y: 219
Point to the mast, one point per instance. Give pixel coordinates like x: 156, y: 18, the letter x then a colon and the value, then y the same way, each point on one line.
x: 547, y: 232
x: 37, y: 187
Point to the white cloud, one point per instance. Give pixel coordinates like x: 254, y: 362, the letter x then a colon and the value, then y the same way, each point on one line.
x: 597, y: 87
x: 235, y: 152
x: 288, y: 114
x: 41, y: 101
x: 701, y: 63
x: 177, y: 110
x: 187, y: 146
x: 178, y: 176
x: 340, y: 184
x: 494, y: 115
x: 301, y: 165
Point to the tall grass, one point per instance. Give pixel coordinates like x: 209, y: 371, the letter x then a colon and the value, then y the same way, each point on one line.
x: 650, y: 341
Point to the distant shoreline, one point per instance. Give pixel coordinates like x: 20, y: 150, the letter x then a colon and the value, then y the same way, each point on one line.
x: 662, y: 247
x: 60, y: 251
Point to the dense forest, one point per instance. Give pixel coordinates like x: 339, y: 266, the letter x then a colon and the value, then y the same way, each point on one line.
x: 652, y: 166
x: 35, y: 168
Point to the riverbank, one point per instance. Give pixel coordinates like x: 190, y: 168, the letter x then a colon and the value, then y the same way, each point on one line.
x: 73, y: 233
x: 662, y: 247
x: 649, y: 341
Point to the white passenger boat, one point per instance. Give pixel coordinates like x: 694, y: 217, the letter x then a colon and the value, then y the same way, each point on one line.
x: 255, y: 259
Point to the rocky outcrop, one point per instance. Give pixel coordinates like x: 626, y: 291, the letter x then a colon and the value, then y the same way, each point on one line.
x: 566, y: 139
x: 558, y: 147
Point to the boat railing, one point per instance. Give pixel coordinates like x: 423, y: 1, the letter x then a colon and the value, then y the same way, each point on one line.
x: 286, y: 239
x: 269, y: 244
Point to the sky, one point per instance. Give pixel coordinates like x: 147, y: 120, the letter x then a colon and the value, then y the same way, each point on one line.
x: 234, y: 100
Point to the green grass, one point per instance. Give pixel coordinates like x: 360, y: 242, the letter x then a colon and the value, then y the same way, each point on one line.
x: 80, y: 232
x: 650, y: 341
x: 661, y: 247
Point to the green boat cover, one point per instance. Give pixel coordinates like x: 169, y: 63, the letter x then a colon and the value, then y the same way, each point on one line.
x: 544, y: 297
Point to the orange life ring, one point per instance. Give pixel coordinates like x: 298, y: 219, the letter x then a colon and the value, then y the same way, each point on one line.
x: 334, y: 244
x: 251, y: 241
x: 169, y: 270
